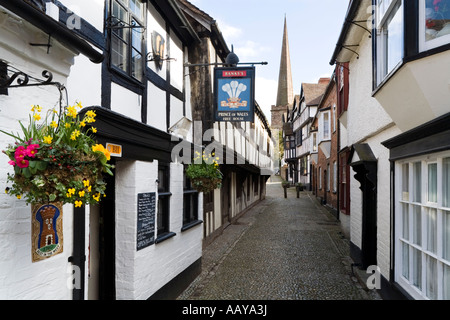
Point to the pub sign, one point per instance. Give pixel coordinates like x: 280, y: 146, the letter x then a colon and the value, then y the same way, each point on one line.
x: 234, y: 96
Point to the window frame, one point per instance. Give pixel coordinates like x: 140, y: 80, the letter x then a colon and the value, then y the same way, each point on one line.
x: 382, y: 21
x: 128, y: 40
x: 191, y: 200
x: 322, y: 124
x: 405, y: 245
x: 164, y: 196
x: 425, y: 45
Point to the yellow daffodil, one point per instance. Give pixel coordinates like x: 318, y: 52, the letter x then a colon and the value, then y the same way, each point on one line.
x: 94, y: 130
x: 90, y: 114
x: 67, y: 125
x: 48, y: 139
x: 53, y: 124
x: 79, y: 105
x: 37, y: 117
x: 78, y: 204
x: 82, y: 124
x: 75, y: 134
x: 72, y: 112
x: 38, y: 108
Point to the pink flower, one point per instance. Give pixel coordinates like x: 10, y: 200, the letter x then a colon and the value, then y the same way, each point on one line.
x: 23, y: 163
x: 13, y: 163
x: 31, y: 150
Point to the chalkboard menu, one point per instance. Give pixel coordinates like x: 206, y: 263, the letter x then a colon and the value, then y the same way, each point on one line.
x: 145, y: 220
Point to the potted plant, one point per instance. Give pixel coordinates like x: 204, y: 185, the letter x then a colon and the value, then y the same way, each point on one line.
x: 299, y: 186
x: 56, y: 160
x: 204, y: 173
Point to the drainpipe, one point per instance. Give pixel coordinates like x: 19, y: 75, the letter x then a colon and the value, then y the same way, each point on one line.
x: 53, y: 28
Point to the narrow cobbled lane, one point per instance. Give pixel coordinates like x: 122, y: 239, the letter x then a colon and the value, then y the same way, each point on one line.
x: 282, y: 249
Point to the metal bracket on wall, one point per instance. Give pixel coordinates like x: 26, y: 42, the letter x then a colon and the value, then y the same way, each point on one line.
x: 48, y: 45
x: 11, y: 77
x: 362, y: 21
x: 116, y: 23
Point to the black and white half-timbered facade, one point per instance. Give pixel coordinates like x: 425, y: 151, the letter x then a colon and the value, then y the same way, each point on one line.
x: 129, y: 61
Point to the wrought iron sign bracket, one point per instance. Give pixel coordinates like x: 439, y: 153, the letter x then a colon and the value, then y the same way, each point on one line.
x: 20, y: 79
x: 115, y: 23
x: 222, y: 64
x: 155, y: 57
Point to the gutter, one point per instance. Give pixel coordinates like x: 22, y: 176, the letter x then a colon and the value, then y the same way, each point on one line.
x: 349, y: 17
x: 53, y: 28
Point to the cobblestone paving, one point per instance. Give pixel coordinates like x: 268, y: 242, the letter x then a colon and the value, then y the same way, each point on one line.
x: 282, y: 249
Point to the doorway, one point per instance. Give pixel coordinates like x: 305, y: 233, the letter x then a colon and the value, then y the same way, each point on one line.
x: 102, y: 246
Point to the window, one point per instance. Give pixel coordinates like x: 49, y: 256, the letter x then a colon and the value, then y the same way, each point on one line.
x: 190, y: 202
x: 298, y: 137
x: 423, y: 231
x: 328, y: 178
x: 324, y: 126
x: 314, y: 142
x: 334, y: 118
x: 335, y: 175
x: 127, y: 37
x: 164, y: 194
x: 389, y: 24
x: 434, y: 27
x: 320, y: 178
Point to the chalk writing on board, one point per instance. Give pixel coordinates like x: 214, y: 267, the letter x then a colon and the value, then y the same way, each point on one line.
x: 145, y: 220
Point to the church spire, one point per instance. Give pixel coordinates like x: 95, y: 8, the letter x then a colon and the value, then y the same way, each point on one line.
x: 285, y: 94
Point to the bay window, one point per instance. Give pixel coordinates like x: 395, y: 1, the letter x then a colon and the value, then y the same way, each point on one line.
x: 404, y: 30
x: 324, y: 126
x: 389, y: 36
x: 423, y: 226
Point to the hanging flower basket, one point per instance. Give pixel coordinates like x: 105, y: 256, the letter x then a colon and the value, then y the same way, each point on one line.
x: 204, y: 173
x: 206, y: 184
x: 56, y: 160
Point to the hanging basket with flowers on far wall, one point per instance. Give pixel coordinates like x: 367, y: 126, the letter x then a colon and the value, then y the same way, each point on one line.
x: 204, y: 173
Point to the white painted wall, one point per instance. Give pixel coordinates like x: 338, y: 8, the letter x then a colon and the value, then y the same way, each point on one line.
x: 156, y: 111
x: 139, y: 274
x: 365, y: 114
x: 126, y: 102
x: 369, y: 123
x: 85, y: 82
x: 19, y: 277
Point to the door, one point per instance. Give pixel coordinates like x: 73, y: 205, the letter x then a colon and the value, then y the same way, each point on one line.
x: 107, y: 243
x: 366, y: 175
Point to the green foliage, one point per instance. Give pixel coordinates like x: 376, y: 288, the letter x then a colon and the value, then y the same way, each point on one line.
x: 204, y: 173
x: 57, y: 159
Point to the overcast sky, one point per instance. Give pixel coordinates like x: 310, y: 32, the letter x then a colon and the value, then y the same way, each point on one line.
x: 255, y: 29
